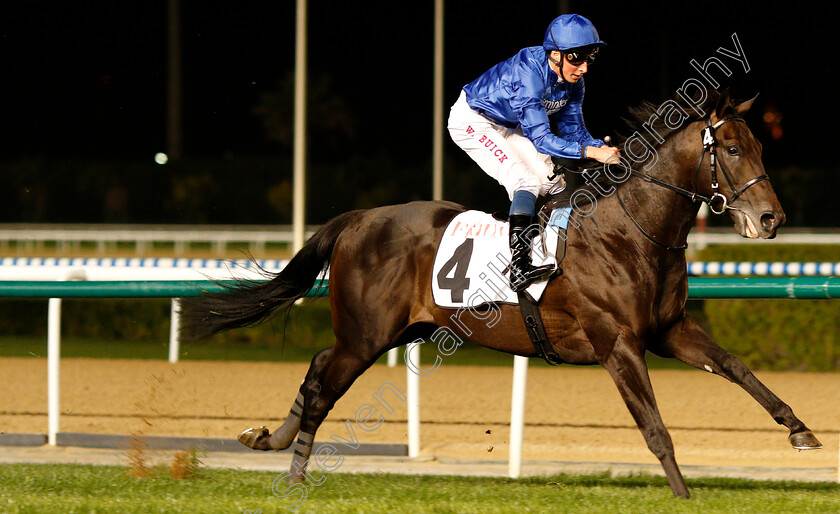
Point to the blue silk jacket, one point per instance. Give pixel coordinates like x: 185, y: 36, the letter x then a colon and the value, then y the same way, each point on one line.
x: 524, y: 91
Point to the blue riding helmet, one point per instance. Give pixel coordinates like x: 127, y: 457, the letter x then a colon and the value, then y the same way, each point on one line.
x: 571, y: 31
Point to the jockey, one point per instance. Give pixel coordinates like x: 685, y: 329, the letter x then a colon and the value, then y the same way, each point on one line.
x: 504, y: 121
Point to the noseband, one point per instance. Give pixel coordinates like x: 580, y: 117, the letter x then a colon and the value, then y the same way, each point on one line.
x: 710, y: 146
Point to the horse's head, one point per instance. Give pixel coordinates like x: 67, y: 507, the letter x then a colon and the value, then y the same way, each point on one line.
x: 733, y: 176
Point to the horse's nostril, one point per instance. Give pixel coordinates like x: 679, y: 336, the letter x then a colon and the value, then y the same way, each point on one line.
x: 768, y: 221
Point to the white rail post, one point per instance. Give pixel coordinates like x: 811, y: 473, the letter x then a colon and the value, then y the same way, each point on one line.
x: 413, y: 398
x: 393, y: 355
x: 53, y: 358
x: 174, y: 326
x: 517, y: 415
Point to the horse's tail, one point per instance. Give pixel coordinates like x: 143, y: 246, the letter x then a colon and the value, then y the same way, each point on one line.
x: 250, y: 302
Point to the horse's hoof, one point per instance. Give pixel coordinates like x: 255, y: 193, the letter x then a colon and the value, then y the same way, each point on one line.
x: 804, y: 440
x: 250, y: 436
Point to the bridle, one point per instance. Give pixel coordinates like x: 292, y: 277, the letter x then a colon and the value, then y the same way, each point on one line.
x: 710, y: 147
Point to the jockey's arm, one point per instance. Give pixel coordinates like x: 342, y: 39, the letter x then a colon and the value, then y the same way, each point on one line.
x: 570, y: 125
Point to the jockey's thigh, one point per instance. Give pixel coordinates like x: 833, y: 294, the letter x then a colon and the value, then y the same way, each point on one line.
x: 496, y: 149
x: 539, y: 164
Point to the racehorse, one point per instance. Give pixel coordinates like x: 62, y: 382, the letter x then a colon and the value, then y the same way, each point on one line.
x: 623, y: 291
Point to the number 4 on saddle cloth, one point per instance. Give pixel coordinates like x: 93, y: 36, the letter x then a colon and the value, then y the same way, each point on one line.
x: 471, y: 265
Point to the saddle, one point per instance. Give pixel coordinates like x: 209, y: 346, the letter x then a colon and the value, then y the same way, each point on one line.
x: 562, y: 165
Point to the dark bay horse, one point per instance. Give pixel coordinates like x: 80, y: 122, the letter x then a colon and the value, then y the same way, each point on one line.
x: 623, y: 291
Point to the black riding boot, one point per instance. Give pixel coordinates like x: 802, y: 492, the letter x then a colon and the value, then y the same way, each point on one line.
x: 522, y: 272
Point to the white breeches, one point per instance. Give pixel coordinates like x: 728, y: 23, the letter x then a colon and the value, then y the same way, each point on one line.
x: 504, y: 154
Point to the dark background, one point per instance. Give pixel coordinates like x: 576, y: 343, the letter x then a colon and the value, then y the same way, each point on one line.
x: 84, y: 100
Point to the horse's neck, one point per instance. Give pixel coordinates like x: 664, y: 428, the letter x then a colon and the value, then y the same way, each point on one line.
x: 664, y: 215
x: 668, y: 215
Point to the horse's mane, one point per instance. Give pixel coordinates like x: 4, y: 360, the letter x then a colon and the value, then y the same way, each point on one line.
x: 643, y: 119
x: 646, y: 112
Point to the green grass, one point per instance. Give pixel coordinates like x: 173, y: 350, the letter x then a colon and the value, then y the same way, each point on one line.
x: 96, y: 348
x: 135, y: 329
x: 71, y: 488
x: 467, y: 354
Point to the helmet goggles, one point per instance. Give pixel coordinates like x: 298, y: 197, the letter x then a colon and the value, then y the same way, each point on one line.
x: 577, y: 56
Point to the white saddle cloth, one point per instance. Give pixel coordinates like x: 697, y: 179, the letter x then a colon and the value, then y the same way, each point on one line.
x: 471, y: 265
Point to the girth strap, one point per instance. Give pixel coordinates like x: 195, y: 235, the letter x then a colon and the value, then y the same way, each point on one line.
x: 536, y: 331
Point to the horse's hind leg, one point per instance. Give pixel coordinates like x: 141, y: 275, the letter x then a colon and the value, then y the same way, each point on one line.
x: 627, y: 367
x: 261, y: 439
x: 688, y: 342
x: 324, y: 385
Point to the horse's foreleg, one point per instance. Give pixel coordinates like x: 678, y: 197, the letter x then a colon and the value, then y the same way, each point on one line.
x: 629, y: 372
x: 688, y: 342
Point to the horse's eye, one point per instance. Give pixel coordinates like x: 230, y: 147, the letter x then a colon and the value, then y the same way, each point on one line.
x: 733, y: 150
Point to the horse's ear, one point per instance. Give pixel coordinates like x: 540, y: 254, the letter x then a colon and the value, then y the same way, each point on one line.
x: 722, y: 104
x: 743, y: 107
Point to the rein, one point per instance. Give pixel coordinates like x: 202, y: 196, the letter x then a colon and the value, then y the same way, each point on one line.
x: 710, y: 146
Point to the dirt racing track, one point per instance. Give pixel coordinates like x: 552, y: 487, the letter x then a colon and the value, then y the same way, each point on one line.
x: 573, y: 415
